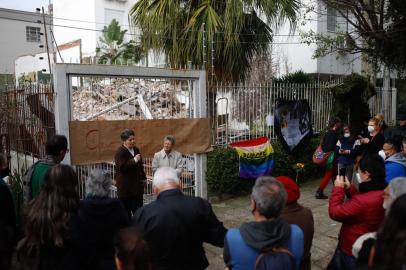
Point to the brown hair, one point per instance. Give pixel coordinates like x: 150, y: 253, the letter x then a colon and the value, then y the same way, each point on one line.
x: 131, y: 250
x: 47, y: 215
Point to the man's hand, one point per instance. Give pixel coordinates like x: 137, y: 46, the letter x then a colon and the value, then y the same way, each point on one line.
x: 137, y: 158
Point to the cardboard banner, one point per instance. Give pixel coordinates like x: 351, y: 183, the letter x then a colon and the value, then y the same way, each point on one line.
x: 97, y: 141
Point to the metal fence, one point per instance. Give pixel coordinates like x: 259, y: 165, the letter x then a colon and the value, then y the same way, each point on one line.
x: 385, y: 102
x: 242, y: 111
x: 129, y: 93
x: 26, y: 122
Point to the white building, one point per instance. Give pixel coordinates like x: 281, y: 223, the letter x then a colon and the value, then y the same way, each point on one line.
x: 85, y: 20
x: 292, y: 55
x: 22, y: 33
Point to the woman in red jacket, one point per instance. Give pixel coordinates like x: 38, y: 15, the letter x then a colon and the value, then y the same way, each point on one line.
x: 361, y: 213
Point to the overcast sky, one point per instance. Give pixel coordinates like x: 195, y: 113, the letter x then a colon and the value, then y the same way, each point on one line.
x: 27, y: 5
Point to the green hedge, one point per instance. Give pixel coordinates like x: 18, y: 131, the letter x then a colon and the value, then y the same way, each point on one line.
x: 223, y: 173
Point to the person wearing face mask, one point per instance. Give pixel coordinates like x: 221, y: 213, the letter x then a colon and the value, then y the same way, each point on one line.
x: 395, y: 162
x: 362, y: 247
x: 346, y: 150
x: 373, y: 143
x: 361, y: 212
x: 366, y: 243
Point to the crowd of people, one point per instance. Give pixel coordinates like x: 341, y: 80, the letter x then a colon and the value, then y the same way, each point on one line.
x: 60, y: 231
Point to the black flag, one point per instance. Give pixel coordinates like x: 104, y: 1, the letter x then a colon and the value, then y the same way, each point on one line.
x: 293, y: 123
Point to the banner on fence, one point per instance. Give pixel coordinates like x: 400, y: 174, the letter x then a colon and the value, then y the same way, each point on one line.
x: 97, y: 141
x: 293, y: 123
x: 256, y: 157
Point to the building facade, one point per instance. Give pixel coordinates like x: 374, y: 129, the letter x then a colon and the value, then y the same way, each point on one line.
x: 85, y: 20
x: 292, y: 55
x: 22, y: 34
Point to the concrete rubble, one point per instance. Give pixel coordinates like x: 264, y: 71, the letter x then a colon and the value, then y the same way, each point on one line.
x: 159, y: 98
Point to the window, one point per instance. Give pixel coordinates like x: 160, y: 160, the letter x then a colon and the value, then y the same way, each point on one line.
x: 33, y: 34
x: 110, y: 14
x: 331, y: 19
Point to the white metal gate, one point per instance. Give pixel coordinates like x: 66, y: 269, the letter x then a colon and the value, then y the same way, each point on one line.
x: 104, y: 92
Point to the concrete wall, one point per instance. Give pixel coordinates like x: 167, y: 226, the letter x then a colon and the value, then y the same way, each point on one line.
x: 336, y: 63
x: 13, y: 43
x: 24, y: 65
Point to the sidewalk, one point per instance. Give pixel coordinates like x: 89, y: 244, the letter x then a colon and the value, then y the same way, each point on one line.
x: 235, y: 211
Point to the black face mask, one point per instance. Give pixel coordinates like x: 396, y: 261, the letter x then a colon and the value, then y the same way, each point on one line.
x: 4, y: 172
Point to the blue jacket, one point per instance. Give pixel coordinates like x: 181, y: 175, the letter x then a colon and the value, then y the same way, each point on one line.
x: 395, y: 166
x: 346, y: 144
x: 243, y: 257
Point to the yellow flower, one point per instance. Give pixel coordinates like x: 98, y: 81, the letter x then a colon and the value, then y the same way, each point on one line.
x: 300, y: 165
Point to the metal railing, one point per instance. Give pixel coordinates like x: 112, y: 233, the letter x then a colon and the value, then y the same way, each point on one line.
x: 26, y: 122
x: 241, y: 111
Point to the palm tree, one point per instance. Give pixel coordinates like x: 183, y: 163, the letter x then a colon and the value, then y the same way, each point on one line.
x: 189, y: 31
x: 111, y: 48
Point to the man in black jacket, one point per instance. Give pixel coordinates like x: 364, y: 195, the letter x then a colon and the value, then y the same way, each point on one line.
x: 175, y: 225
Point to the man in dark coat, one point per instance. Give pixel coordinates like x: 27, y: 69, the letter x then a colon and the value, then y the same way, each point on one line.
x: 130, y: 175
x: 175, y: 225
x: 295, y: 213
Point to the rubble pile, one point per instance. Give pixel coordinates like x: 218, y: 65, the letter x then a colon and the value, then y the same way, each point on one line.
x: 159, y: 98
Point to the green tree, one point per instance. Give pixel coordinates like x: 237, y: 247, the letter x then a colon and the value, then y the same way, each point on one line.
x: 111, y: 48
x: 225, y: 33
x: 379, y: 28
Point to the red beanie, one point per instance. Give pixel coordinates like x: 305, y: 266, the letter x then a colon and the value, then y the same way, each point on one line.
x: 292, y: 189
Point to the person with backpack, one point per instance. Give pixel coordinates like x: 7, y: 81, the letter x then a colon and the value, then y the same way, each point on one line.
x: 56, y: 149
x: 269, y: 242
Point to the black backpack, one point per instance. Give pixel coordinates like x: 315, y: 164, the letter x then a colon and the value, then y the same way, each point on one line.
x: 276, y: 259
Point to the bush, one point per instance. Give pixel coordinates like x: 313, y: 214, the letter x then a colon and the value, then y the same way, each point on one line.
x: 223, y: 168
x: 223, y: 173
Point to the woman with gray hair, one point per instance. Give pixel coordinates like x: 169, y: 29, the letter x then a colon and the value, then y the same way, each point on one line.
x: 99, y: 219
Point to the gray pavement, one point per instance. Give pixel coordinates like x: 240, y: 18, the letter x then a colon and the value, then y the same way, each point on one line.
x: 235, y: 211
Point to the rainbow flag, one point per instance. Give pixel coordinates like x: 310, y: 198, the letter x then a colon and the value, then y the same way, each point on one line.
x: 256, y: 157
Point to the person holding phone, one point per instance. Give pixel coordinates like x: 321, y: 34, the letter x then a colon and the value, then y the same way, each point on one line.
x: 346, y: 149
x: 130, y: 174
x: 362, y: 212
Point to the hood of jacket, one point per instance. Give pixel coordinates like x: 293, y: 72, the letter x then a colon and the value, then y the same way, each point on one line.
x: 265, y: 235
x: 397, y: 158
x: 100, y: 211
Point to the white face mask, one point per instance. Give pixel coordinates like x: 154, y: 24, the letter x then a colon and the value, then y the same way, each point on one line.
x: 347, y: 135
x: 382, y: 154
x: 371, y: 129
x: 358, y: 176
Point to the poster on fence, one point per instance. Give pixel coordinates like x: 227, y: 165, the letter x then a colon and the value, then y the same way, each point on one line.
x: 293, y: 123
x: 256, y: 157
x: 97, y: 141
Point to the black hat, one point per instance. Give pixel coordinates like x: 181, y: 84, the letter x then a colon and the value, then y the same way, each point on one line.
x: 401, y: 116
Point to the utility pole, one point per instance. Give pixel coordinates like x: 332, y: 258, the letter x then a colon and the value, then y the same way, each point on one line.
x: 46, y: 41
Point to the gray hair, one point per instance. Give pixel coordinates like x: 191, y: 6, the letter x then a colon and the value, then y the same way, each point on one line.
x: 165, y: 175
x: 98, y: 183
x: 269, y: 195
x: 126, y: 133
x: 397, y: 187
x: 170, y: 138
